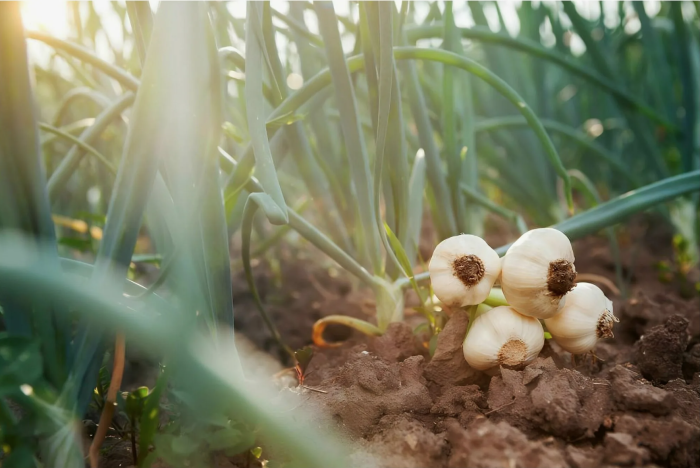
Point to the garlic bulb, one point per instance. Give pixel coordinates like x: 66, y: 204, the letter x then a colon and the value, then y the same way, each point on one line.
x: 463, y: 269
x: 538, y: 270
x: 585, y: 315
x: 503, y: 337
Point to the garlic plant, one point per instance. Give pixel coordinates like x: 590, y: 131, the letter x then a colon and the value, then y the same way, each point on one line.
x: 537, y: 278
x: 502, y: 337
x: 538, y: 270
x: 463, y: 269
x: 585, y: 316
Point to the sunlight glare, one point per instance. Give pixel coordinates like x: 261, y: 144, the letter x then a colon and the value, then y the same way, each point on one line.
x: 46, y: 15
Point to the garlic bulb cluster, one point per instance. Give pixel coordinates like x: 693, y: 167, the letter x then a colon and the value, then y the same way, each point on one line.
x: 538, y: 270
x: 537, y: 277
x: 585, y: 316
x: 463, y: 269
x: 502, y: 337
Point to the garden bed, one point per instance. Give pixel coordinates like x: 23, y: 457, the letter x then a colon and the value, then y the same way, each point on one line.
x: 637, y: 404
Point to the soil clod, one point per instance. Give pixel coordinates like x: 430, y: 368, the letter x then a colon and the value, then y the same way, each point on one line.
x: 659, y: 353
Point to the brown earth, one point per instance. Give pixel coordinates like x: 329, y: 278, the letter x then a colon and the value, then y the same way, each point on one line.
x: 637, y: 404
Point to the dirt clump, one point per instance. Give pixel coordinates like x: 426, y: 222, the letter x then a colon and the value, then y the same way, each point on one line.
x: 403, y: 442
x: 466, y: 403
x: 492, y: 445
x: 621, y: 449
x: 638, y: 395
x: 367, y: 388
x: 447, y: 366
x: 670, y: 440
x: 397, y: 343
x: 659, y: 353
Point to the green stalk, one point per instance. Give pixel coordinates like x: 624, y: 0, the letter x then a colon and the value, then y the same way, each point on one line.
x: 24, y: 203
x: 612, y: 212
x: 84, y: 55
x: 78, y: 93
x: 210, y: 376
x: 70, y: 162
x: 450, y: 149
x: 690, y: 89
x: 415, y: 33
x: 614, y: 161
x: 486, y: 202
x: 352, y: 132
x: 496, y: 298
x: 264, y: 165
x: 506, y: 91
x: 644, y: 137
x: 589, y: 190
x: 444, y: 217
x: 82, y: 145
x: 317, y: 238
x: 322, y: 79
x: 300, y: 149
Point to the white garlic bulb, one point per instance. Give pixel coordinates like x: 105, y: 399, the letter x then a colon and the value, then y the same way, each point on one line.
x: 463, y: 269
x: 585, y: 315
x: 538, y: 270
x: 503, y: 337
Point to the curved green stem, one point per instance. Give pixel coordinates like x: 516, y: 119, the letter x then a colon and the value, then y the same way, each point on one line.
x: 84, y: 55
x: 78, y: 93
x: 81, y: 144
x: 487, y: 203
x: 470, y: 66
x: 611, y: 212
x: 496, y: 298
x: 434, y: 30
x: 314, y: 236
x: 354, y: 323
x: 579, y: 137
x: 592, y: 194
x: 273, y: 214
x: 323, y: 79
x: 68, y: 165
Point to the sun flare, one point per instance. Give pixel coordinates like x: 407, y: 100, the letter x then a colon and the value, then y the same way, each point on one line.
x: 46, y: 15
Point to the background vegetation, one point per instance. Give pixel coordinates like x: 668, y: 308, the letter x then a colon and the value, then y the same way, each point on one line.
x: 156, y: 135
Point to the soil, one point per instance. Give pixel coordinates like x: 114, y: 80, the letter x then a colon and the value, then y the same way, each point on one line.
x: 636, y: 404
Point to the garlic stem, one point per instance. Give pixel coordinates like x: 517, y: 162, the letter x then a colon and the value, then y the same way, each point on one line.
x: 496, y: 298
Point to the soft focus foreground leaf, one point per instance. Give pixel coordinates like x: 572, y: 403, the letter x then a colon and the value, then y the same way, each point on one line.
x: 210, y: 377
x: 24, y: 203
x: 148, y: 424
x: 172, y: 123
x: 20, y: 362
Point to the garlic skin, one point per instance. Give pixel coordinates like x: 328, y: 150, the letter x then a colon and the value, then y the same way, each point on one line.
x: 585, y: 316
x: 538, y: 270
x: 503, y: 337
x: 463, y: 269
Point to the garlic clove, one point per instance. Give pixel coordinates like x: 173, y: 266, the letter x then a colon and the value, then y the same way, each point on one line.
x: 585, y: 316
x: 538, y: 270
x: 502, y: 337
x: 463, y: 269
